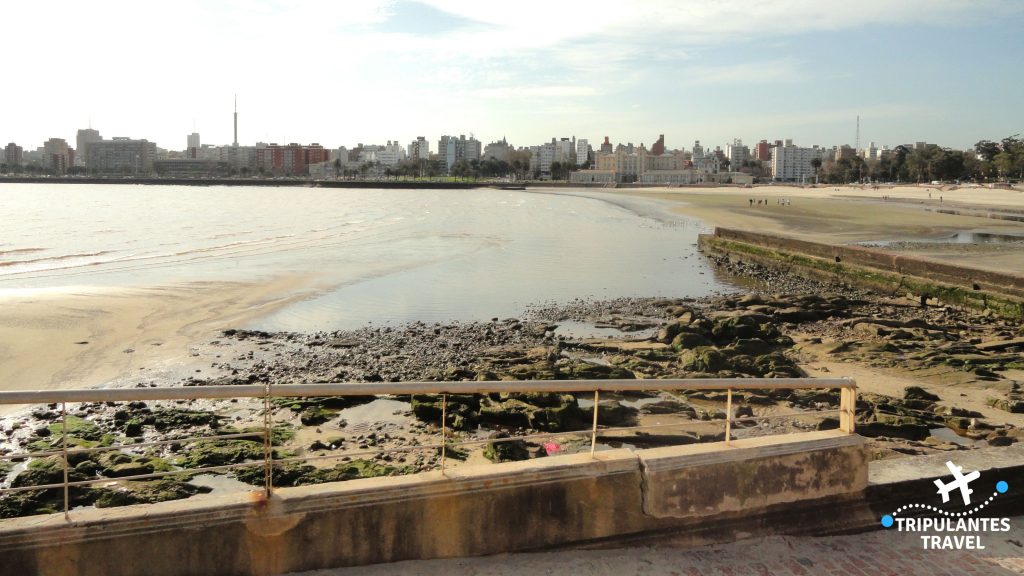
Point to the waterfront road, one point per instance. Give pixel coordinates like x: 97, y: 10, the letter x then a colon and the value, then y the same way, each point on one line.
x: 883, y: 552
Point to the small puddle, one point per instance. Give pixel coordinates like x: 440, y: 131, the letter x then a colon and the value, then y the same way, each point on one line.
x: 946, y: 435
x: 962, y: 237
x: 575, y: 330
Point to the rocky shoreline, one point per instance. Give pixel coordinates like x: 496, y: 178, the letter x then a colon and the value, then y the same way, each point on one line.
x: 785, y: 326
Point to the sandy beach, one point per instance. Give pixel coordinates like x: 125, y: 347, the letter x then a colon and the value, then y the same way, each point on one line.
x: 88, y: 336
x: 846, y: 214
x: 76, y: 338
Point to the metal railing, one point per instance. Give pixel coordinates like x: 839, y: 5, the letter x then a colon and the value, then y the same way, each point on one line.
x: 846, y: 412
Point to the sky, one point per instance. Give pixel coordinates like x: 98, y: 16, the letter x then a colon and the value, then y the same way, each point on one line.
x: 347, y: 72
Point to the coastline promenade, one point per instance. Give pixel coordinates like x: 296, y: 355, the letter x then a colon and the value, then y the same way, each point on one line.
x: 867, y: 554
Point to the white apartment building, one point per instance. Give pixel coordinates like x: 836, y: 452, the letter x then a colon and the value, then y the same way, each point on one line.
x: 460, y: 148
x: 419, y: 149
x: 582, y: 152
x: 737, y: 154
x: 793, y: 163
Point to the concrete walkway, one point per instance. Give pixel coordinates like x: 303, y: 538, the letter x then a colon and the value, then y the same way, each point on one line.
x: 883, y: 552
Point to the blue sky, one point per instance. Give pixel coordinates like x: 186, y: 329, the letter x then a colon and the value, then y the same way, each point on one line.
x: 944, y: 71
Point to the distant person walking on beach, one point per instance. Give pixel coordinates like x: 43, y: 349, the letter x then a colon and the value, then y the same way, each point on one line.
x: 751, y: 202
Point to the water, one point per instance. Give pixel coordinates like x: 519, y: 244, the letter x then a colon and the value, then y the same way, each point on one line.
x: 372, y: 256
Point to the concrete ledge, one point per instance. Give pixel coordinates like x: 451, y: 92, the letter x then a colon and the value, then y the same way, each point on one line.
x: 753, y: 473
x: 528, y: 505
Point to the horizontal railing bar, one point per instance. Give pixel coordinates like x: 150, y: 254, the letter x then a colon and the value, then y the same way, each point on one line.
x: 407, y: 388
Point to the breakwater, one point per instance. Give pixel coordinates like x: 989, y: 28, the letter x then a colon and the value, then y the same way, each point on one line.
x: 925, y: 278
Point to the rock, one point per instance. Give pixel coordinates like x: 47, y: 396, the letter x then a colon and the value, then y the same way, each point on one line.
x: 918, y: 393
x: 145, y: 492
x: 909, y: 430
x: 828, y: 423
x: 797, y: 315
x: 314, y: 415
x: 702, y: 359
x: 688, y: 340
x: 612, y: 413
x: 752, y: 346
x: 1000, y: 440
x: 506, y: 450
x: 668, y: 332
x: 667, y: 407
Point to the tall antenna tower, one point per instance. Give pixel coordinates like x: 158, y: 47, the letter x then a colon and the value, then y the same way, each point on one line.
x: 236, y: 120
x: 856, y: 143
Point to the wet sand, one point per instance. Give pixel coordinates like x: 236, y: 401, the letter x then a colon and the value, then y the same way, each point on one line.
x: 75, y: 338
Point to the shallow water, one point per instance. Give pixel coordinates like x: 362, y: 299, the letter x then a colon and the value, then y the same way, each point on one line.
x: 378, y: 255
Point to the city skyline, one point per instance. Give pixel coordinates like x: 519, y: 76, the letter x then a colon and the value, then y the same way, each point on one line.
x: 377, y: 71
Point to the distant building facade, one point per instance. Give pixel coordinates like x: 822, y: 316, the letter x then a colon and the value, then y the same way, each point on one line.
x: 456, y: 149
x: 121, y: 155
x: 737, y: 154
x: 582, y: 152
x: 419, y: 149
x: 57, y: 155
x: 13, y: 155
x: 793, y: 163
x: 499, y: 150
x: 191, y: 151
x: 290, y: 160
x: 85, y: 137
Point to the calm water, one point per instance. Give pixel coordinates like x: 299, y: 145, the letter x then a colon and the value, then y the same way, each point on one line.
x: 378, y: 256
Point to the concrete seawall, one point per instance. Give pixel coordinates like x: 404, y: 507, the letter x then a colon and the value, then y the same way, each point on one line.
x: 1002, y: 292
x: 703, y: 493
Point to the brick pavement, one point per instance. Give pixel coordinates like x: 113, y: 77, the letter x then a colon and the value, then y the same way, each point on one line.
x: 881, y: 553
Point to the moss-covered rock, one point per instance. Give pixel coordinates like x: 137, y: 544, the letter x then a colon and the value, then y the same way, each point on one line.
x: 206, y: 453
x: 296, y: 474
x: 502, y: 449
x: 146, y: 492
x: 77, y: 428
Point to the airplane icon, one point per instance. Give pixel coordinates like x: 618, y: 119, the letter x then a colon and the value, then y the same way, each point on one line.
x: 959, y: 481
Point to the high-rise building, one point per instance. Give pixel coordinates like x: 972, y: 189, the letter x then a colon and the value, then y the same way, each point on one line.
x: 192, y: 150
x: 582, y: 152
x: 659, y: 147
x: 13, y: 155
x: 460, y: 148
x: 737, y: 153
x: 121, y: 155
x: 85, y: 137
x: 57, y: 155
x: 419, y: 149
x: 794, y: 164
x: 762, y: 151
x: 606, y: 146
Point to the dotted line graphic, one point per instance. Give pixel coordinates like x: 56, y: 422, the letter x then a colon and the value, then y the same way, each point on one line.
x: 943, y: 512
x: 1001, y: 488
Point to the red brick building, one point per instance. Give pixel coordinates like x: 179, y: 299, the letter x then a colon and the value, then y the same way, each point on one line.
x: 291, y: 160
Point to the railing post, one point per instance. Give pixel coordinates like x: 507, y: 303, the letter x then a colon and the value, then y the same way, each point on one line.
x: 64, y: 453
x: 728, y: 416
x: 847, y: 409
x: 593, y: 433
x: 444, y: 428
x: 268, y: 450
